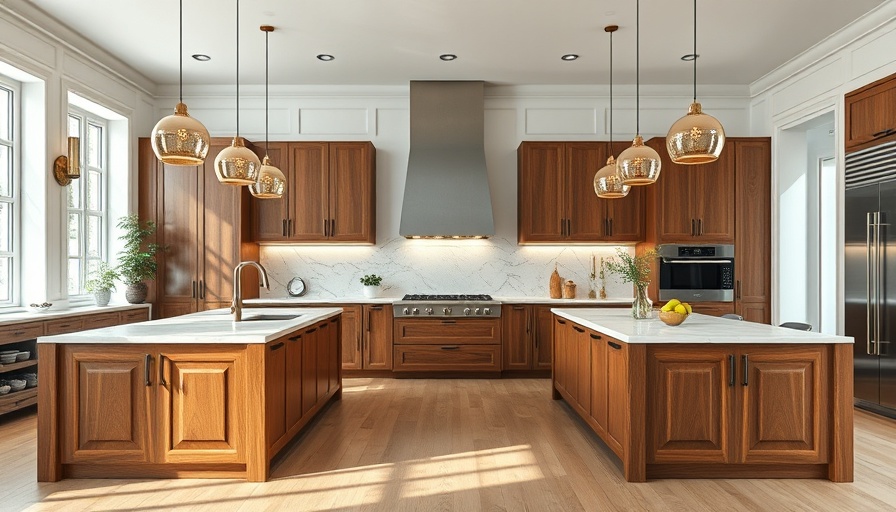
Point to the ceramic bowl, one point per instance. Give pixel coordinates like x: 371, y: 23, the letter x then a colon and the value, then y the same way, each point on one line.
x: 23, y: 355
x: 672, y: 318
x: 4, y: 390
x: 17, y: 385
x: 8, y: 359
x: 40, y: 308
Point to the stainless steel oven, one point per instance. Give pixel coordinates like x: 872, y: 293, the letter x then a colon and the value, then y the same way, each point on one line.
x: 696, y: 273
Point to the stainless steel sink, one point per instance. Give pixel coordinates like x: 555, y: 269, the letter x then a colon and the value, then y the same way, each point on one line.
x: 269, y: 316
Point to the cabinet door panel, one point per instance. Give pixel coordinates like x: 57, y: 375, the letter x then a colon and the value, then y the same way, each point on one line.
x: 178, y: 229
x: 870, y: 112
x: 205, y: 416
x: 713, y: 197
x: 541, y: 317
x: 323, y: 358
x: 378, y: 334
x: 309, y: 191
x: 517, y: 345
x: 626, y: 216
x: 617, y: 390
x: 676, y: 218
x: 309, y: 370
x: 269, y: 215
x: 690, y: 405
x: 586, y: 212
x: 351, y: 337
x: 106, y: 415
x: 540, y: 192
x: 275, y: 391
x: 598, y: 380
x: 785, y: 405
x: 293, y: 380
x: 583, y: 371
x: 352, y: 192
x: 753, y: 231
x: 219, y: 247
x: 561, y: 370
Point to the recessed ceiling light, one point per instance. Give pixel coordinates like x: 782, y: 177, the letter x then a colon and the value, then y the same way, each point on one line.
x: 570, y: 56
x: 690, y: 56
x: 447, y: 56
x: 325, y: 57
x: 201, y: 57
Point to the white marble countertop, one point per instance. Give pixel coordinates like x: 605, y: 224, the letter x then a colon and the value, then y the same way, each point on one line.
x: 29, y: 316
x: 696, y: 328
x: 299, y: 301
x: 215, y: 326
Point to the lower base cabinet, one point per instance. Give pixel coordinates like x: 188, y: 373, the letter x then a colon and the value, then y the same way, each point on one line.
x: 447, y: 345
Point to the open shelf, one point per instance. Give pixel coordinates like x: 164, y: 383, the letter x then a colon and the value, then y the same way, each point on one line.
x: 6, y: 368
x: 18, y: 399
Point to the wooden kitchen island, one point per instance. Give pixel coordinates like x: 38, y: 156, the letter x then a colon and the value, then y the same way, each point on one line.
x: 711, y: 398
x: 195, y: 396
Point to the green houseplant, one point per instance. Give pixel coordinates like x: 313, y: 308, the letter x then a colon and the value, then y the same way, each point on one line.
x: 136, y: 261
x: 635, y: 270
x: 101, y: 283
x: 371, y: 284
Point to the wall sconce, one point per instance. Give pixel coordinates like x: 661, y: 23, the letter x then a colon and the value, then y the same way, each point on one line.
x: 68, y: 168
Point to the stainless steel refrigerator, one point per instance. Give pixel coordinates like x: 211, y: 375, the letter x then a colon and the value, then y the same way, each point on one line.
x: 870, y: 292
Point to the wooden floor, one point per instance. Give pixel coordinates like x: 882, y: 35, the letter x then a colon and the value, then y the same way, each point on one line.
x: 444, y: 445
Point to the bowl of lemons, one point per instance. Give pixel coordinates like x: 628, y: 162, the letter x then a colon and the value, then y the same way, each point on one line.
x: 674, y: 312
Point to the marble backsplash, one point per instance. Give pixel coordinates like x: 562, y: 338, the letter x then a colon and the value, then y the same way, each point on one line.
x: 496, y: 266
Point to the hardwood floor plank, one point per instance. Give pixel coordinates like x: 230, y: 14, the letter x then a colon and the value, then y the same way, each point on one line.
x: 453, y: 445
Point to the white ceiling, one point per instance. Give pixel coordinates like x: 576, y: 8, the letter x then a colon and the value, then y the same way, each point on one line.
x: 389, y: 42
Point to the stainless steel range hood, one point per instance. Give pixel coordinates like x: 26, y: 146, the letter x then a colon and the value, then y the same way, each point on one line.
x: 446, y: 194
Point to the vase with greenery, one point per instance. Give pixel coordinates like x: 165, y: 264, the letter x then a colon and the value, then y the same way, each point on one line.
x: 635, y: 270
x: 136, y: 262
x: 371, y: 284
x: 101, y: 283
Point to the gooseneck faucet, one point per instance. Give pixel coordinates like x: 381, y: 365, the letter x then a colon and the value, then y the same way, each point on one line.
x: 237, y: 306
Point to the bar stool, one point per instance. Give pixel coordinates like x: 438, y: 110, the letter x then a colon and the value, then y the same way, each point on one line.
x: 796, y: 325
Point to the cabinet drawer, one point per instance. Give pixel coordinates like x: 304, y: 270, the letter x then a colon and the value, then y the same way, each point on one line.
x: 433, y: 331
x: 17, y: 400
x: 447, y: 358
x: 129, y: 317
x: 100, y: 320
x: 21, y: 332
x: 64, y: 325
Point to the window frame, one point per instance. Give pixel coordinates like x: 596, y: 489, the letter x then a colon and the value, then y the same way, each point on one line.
x: 15, y: 253
x: 87, y: 120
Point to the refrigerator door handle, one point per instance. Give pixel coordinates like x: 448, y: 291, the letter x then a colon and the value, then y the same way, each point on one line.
x: 881, y: 261
x: 870, y: 294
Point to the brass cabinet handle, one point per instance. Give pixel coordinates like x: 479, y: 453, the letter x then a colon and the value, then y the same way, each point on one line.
x: 731, y: 370
x: 147, y: 361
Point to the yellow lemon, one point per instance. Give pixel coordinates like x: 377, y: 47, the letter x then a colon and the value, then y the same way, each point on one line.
x: 672, y: 303
x: 667, y: 307
x: 688, y: 307
x: 681, y: 310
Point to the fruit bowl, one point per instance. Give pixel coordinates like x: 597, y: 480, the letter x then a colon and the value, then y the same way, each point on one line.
x: 672, y: 318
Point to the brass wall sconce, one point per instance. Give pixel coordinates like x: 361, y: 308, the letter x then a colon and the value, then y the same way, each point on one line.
x: 68, y: 168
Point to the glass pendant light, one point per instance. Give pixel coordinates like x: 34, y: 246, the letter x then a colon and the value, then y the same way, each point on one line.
x: 696, y: 138
x: 271, y: 182
x: 639, y: 164
x: 237, y: 164
x: 179, y: 139
x: 607, y: 183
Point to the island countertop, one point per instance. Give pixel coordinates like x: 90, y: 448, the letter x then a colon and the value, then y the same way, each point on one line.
x: 696, y: 329
x: 214, y: 326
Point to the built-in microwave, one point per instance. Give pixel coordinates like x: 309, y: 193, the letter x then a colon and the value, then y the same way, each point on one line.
x: 696, y: 273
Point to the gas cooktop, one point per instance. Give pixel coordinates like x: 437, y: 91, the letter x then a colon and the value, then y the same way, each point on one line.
x: 426, y: 297
x: 424, y: 305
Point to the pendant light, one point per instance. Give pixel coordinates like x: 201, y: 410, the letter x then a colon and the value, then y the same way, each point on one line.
x: 271, y: 182
x: 639, y: 164
x: 607, y: 183
x: 696, y: 138
x: 237, y: 164
x: 179, y: 139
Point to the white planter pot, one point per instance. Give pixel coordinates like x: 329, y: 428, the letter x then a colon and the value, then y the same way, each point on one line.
x: 102, y: 297
x: 371, y: 292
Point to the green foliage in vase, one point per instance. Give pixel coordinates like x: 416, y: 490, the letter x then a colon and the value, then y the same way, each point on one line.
x: 136, y: 262
x: 101, y: 279
x: 371, y: 280
x: 632, y: 269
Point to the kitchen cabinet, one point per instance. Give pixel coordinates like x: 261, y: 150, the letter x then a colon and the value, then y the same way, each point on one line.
x: 556, y: 202
x: 743, y: 404
x: 455, y: 345
x: 330, y: 194
x: 377, y: 349
x: 871, y: 114
x: 351, y: 337
x: 204, y: 226
x: 713, y: 308
x: 694, y: 203
x: 527, y: 333
x: 752, y: 241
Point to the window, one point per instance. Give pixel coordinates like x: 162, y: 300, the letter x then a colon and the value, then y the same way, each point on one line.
x: 9, y: 178
x: 87, y: 216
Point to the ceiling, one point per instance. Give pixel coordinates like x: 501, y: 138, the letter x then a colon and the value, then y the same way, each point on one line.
x: 514, y: 42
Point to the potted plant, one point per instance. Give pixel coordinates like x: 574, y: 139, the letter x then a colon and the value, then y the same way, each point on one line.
x: 371, y: 284
x: 101, y: 283
x: 136, y: 262
x: 635, y: 270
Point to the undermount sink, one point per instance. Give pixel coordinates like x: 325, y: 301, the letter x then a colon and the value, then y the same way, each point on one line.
x: 269, y: 316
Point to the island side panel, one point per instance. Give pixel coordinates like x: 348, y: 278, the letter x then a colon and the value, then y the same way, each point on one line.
x: 840, y: 467
x: 49, y: 461
x: 635, y: 451
x: 257, y: 465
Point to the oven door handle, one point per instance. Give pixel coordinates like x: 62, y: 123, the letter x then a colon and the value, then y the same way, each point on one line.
x: 697, y: 261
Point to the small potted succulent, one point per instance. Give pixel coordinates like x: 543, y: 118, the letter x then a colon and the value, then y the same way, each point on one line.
x: 101, y: 283
x: 371, y: 284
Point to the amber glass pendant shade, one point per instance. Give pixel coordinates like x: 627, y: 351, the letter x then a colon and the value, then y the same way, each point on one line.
x: 236, y: 164
x: 179, y: 139
x: 608, y: 184
x: 696, y: 138
x: 271, y: 182
x: 639, y: 164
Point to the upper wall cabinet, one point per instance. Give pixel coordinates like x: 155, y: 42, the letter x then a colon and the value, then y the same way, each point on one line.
x: 871, y: 114
x: 556, y: 199
x: 330, y: 194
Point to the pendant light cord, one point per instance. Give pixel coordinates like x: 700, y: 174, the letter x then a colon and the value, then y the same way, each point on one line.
x: 237, y: 68
x: 638, y: 67
x: 611, y: 93
x: 266, y: 34
x: 181, y: 51
x: 695, y: 51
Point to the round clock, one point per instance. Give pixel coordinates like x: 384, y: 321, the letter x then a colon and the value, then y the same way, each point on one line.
x: 296, y: 287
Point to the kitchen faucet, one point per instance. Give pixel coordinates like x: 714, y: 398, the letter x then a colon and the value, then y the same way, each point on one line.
x: 237, y: 306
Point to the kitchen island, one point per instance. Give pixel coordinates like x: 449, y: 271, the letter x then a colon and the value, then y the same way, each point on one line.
x: 194, y: 396
x: 711, y: 398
